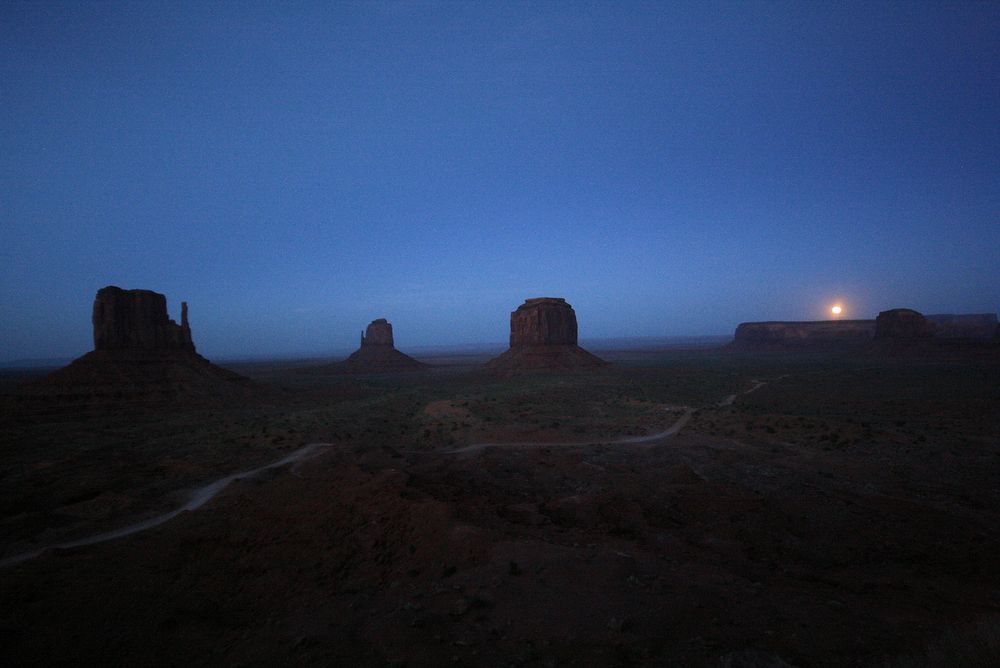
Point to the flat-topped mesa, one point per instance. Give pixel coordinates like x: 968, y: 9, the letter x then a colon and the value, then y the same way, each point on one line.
x: 804, y: 334
x: 898, y: 330
x: 137, y: 320
x: 971, y: 326
x: 543, y: 337
x: 543, y: 321
x: 378, y: 333
x: 902, y: 324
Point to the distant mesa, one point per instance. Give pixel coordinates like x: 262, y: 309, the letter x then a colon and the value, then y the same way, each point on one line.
x: 818, y: 334
x: 377, y: 353
x: 901, y: 324
x: 973, y: 326
x: 140, y: 355
x: 543, y: 337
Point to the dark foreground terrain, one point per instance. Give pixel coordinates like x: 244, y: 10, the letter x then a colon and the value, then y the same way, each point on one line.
x: 810, y: 511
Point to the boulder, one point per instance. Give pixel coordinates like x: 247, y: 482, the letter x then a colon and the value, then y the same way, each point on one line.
x: 901, y: 324
x: 543, y: 336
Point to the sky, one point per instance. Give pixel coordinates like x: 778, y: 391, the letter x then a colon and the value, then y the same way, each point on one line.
x: 294, y: 170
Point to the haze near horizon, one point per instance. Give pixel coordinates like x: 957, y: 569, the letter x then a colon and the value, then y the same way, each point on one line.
x: 294, y: 172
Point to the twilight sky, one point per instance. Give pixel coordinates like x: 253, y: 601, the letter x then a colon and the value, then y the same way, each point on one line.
x: 295, y: 170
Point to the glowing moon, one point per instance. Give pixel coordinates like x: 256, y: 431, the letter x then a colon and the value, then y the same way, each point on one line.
x: 836, y: 310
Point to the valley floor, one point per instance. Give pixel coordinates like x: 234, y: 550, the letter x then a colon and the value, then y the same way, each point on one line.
x: 835, y: 511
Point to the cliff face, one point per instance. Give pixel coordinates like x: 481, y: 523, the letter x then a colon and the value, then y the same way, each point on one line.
x: 807, y: 334
x: 900, y: 329
x: 901, y: 324
x: 543, y: 321
x: 543, y: 337
x: 378, y: 333
x: 137, y: 320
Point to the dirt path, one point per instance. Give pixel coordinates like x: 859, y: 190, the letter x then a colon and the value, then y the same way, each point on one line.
x: 649, y: 438
x: 631, y: 440
x: 198, y: 498
x: 728, y: 401
x: 203, y: 495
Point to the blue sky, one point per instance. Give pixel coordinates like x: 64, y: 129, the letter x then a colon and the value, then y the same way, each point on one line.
x: 295, y: 170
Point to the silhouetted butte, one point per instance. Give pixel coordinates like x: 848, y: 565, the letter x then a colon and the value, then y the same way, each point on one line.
x: 140, y: 355
x: 543, y: 337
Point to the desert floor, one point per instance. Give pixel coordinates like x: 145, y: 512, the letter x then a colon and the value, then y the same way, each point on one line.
x: 812, y: 510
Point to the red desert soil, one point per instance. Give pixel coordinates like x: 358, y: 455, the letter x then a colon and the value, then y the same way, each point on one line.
x: 746, y: 539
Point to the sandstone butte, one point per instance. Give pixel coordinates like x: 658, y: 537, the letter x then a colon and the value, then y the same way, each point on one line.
x: 901, y: 324
x: 378, y: 353
x: 139, y: 355
x: 137, y: 320
x: 543, y: 337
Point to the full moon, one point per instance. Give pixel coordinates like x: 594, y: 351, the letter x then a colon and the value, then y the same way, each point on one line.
x: 836, y: 310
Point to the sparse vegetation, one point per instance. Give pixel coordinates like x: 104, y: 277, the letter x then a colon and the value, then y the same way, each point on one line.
x: 842, y: 512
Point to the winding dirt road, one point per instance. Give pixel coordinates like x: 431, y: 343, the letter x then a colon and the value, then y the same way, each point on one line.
x: 197, y: 499
x: 203, y: 495
x: 630, y: 440
x: 649, y: 438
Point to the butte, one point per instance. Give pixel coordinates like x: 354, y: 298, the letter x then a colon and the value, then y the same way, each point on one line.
x: 378, y: 353
x: 543, y: 337
x: 902, y: 324
x: 140, y: 355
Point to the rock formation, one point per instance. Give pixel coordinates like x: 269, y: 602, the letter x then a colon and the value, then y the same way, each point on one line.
x: 893, y: 325
x: 543, y: 321
x: 543, y: 336
x: 820, y: 334
x: 137, y: 320
x: 972, y: 326
x: 140, y: 355
x: 901, y: 324
x: 378, y: 333
x: 377, y: 353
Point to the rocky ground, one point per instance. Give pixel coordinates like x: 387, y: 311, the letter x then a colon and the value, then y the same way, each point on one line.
x: 844, y: 512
